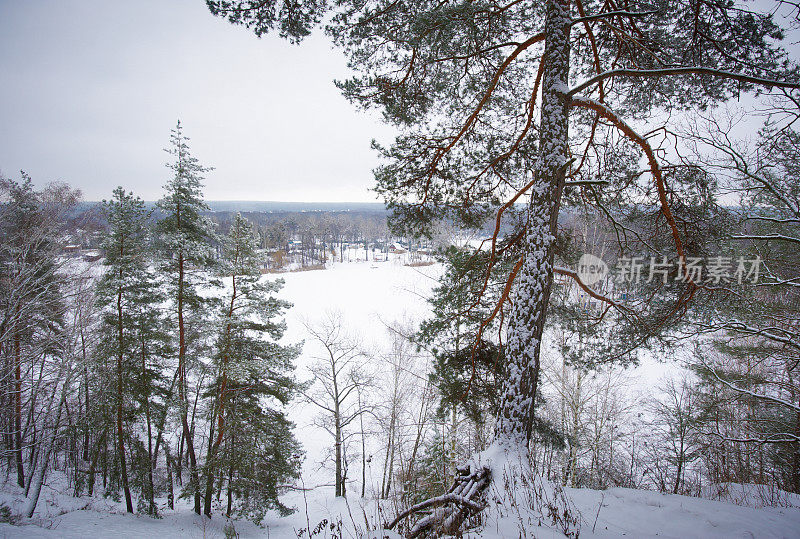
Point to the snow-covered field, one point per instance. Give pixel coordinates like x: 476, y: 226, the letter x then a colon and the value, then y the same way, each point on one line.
x: 370, y: 295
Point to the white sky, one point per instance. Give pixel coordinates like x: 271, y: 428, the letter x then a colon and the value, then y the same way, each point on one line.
x: 89, y: 90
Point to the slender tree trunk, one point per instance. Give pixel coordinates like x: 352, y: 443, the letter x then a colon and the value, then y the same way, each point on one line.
x: 179, y: 458
x: 49, y: 444
x: 151, y: 509
x: 18, y: 406
x: 452, y: 457
x: 210, y: 466
x: 93, y: 466
x: 421, y: 424
x: 120, y: 431
x: 390, y: 474
x: 86, y: 434
x: 363, y: 444
x: 170, y: 492
x: 388, y: 463
x: 214, y: 442
x: 105, y: 465
x: 796, y: 456
x: 7, y: 400
x: 161, y: 422
x: 231, y: 445
x: 535, y: 277
x: 338, y: 451
x: 230, y: 491
x: 677, y: 485
x: 182, y: 386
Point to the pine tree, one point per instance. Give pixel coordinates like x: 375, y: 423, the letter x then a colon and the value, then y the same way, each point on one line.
x: 461, y: 305
x: 186, y: 240
x: 128, y: 297
x: 253, y: 380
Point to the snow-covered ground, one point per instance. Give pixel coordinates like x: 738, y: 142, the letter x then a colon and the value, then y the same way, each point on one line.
x: 616, y: 512
x: 642, y: 513
x: 370, y: 295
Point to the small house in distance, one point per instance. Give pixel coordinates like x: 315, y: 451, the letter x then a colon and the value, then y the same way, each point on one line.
x: 92, y: 256
x: 72, y: 250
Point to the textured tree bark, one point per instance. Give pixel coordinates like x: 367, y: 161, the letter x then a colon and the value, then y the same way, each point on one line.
x: 535, y: 279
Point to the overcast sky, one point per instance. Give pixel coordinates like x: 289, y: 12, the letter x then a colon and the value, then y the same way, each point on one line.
x: 90, y: 90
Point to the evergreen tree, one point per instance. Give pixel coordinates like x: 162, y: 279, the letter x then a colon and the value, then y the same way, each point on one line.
x: 462, y: 306
x: 129, y: 297
x: 151, y: 393
x: 253, y: 381
x: 186, y: 241
x: 464, y: 373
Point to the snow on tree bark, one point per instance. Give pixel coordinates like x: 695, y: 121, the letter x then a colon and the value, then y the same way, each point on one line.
x: 534, y: 281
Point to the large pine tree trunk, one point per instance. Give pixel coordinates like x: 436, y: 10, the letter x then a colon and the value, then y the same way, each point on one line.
x: 535, y: 278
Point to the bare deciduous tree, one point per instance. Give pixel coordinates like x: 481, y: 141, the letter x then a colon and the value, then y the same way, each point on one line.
x: 339, y: 374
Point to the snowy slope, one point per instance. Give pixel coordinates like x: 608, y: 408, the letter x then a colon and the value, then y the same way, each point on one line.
x: 641, y: 513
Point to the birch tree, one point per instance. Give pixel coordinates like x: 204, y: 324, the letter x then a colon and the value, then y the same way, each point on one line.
x: 338, y: 373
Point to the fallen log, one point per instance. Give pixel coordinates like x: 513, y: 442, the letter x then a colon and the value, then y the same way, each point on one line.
x: 464, y: 499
